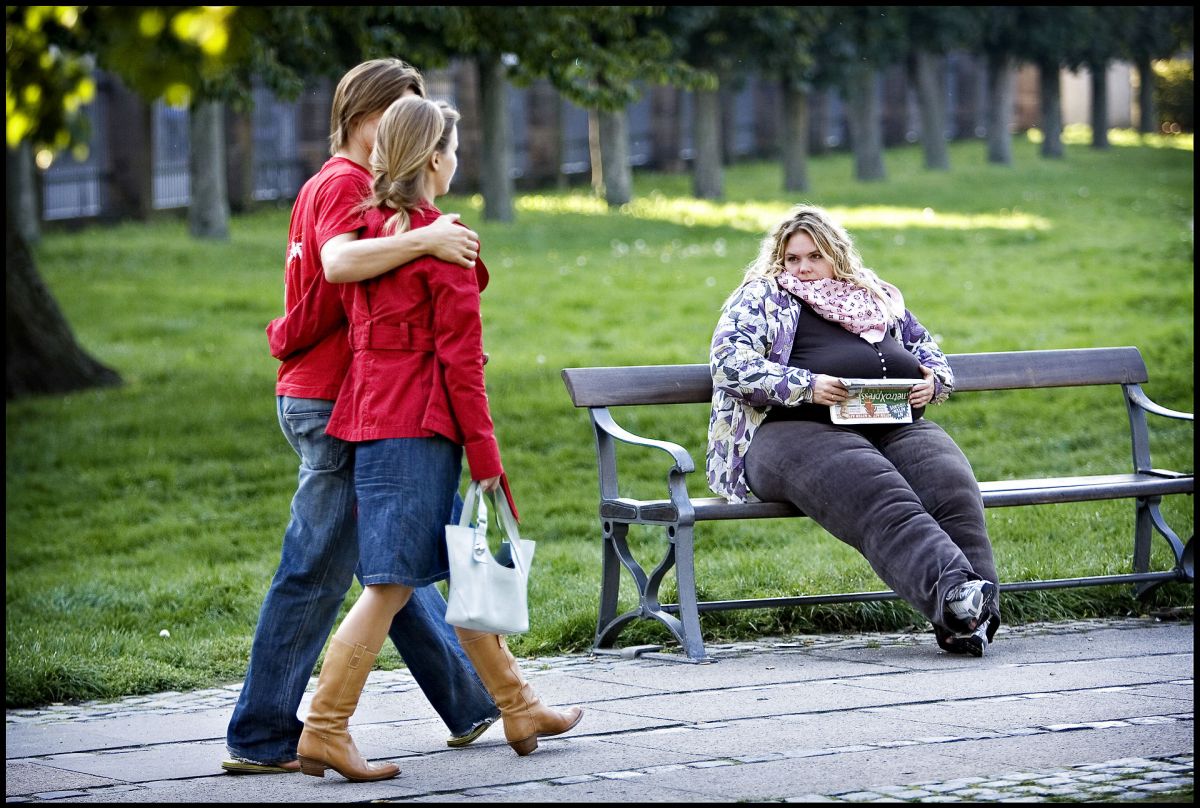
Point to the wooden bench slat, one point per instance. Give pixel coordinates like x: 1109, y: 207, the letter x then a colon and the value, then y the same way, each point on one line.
x: 1063, y: 368
x: 1002, y: 493
x: 996, y: 494
x: 692, y: 384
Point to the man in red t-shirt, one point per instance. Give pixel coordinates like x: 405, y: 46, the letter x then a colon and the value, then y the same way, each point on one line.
x: 320, y: 545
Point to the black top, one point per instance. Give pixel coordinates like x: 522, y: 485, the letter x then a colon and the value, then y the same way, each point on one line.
x: 825, y: 347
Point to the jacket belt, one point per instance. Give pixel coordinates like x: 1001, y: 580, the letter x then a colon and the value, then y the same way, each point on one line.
x: 375, y: 336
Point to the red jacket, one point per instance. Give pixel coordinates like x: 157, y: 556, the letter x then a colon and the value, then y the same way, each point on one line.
x: 417, y: 368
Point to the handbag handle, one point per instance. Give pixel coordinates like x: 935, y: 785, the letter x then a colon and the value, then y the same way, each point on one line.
x: 508, y: 524
x: 475, y: 504
x: 471, y: 504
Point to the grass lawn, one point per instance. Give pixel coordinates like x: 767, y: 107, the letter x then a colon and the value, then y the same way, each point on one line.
x: 161, y: 504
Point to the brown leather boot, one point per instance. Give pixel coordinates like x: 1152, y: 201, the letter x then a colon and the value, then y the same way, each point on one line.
x: 525, y: 717
x: 325, y: 742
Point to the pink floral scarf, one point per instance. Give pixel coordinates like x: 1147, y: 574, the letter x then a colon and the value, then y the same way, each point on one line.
x: 845, y: 303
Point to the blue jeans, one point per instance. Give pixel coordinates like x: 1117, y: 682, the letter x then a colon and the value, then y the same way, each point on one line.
x: 317, y: 566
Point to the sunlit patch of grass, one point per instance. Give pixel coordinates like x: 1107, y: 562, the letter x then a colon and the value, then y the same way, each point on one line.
x: 758, y: 217
x: 1080, y: 134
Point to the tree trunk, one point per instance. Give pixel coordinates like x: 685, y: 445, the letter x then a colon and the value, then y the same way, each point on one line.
x: 41, y: 355
x: 865, y: 116
x: 795, y: 138
x: 21, y: 193
x: 208, y: 211
x: 595, y: 155
x: 614, y: 157
x: 1000, y: 87
x: 1050, y: 95
x: 982, y: 108
x: 1147, y: 117
x: 561, y: 180
x: 1099, y: 105
x: 726, y: 103
x: 928, y: 74
x: 239, y: 157
x: 707, y: 175
x: 683, y: 132
x: 495, y: 174
x: 819, y: 115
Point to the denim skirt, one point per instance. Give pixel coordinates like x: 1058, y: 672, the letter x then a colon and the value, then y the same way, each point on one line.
x: 406, y: 489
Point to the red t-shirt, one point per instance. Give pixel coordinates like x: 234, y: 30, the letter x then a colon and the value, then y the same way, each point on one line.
x: 328, y: 205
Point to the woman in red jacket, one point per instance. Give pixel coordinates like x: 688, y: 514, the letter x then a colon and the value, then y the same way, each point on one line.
x: 413, y: 401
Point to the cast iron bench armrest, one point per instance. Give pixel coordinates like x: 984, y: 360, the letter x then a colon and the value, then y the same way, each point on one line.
x: 604, y: 421
x: 1139, y: 397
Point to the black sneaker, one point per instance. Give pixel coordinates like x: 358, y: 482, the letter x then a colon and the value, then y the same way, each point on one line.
x: 966, y: 603
x: 974, y: 643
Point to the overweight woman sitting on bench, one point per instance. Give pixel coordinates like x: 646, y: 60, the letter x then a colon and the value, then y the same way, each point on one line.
x: 807, y: 316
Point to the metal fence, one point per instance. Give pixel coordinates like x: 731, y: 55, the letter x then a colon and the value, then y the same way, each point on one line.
x: 171, y: 147
x: 77, y: 189
x: 276, y: 167
x: 576, y: 142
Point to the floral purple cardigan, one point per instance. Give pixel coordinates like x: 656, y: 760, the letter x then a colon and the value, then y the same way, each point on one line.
x: 750, y: 349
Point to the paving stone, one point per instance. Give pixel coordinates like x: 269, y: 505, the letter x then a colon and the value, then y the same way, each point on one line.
x: 760, y: 758
x: 1156, y: 787
x: 629, y: 775
x: 811, y: 798
x: 1159, y: 775
x: 515, y: 787
x: 482, y: 792
x: 60, y: 795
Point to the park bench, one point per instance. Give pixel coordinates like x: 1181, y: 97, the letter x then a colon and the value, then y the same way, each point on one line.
x: 600, y: 388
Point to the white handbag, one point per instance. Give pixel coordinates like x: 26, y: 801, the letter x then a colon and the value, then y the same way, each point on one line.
x: 487, y: 592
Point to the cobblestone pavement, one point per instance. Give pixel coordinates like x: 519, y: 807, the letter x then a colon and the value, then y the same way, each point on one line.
x: 1123, y: 780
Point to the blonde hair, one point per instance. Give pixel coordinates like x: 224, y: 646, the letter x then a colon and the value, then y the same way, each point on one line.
x: 834, y: 244
x: 365, y: 90
x: 410, y: 131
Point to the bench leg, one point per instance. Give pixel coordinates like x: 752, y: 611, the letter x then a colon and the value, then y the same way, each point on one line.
x: 1149, y: 518
x: 610, y: 583
x: 685, y: 578
x: 616, y: 553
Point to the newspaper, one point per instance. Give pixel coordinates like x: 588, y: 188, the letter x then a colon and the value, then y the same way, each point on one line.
x: 875, y: 401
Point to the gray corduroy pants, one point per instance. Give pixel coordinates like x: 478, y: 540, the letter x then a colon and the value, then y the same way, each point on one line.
x: 908, y: 501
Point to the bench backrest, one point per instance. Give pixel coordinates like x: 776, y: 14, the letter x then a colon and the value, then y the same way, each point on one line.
x: 692, y: 384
